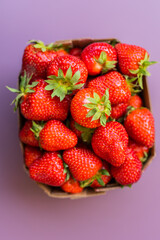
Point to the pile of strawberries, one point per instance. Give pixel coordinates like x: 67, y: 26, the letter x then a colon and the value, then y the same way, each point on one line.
x: 85, y: 123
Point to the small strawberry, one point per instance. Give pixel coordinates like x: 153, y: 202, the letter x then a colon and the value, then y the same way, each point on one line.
x: 54, y: 135
x: 130, y: 171
x: 76, y: 51
x: 135, y: 101
x: 90, y: 109
x: 48, y: 169
x: 36, y: 102
x: 36, y: 59
x: 27, y: 136
x: 119, y: 91
x: 72, y: 186
x: 139, y: 125
x: 118, y: 110
x: 133, y: 61
x: 82, y: 162
x: 110, y: 143
x: 104, y: 179
x: 140, y: 150
x: 66, y: 74
x: 31, y: 154
x: 99, y: 57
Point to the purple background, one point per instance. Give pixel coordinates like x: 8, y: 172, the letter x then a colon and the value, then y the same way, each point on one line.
x: 26, y: 212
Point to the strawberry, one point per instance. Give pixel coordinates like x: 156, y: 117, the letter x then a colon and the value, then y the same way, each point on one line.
x: 66, y: 74
x: 99, y: 57
x: 90, y: 109
x: 76, y: 51
x: 119, y: 91
x: 130, y: 171
x: 48, y: 169
x: 72, y: 186
x: 118, y: 110
x: 110, y: 142
x: 135, y: 101
x: 36, y: 59
x: 82, y: 162
x: 133, y: 61
x: 36, y: 102
x: 140, y: 150
x: 31, y: 154
x: 139, y: 125
x: 104, y: 178
x: 54, y: 135
x: 27, y: 136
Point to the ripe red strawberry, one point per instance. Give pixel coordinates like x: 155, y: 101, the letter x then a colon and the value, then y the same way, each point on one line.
x: 99, y: 57
x: 36, y: 102
x: 36, y: 59
x: 104, y: 178
x: 133, y: 61
x: 110, y: 143
x: 75, y: 52
x: 48, y: 169
x: 119, y: 91
x: 130, y: 171
x: 89, y: 109
x: 66, y: 74
x: 135, y: 101
x: 118, y: 110
x: 140, y: 150
x: 139, y: 125
x: 54, y: 135
x: 72, y: 186
x: 27, y: 136
x: 31, y: 154
x: 62, y: 52
x: 82, y: 162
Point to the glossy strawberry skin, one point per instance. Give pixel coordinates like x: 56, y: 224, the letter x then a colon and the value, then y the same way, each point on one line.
x: 119, y: 91
x: 106, y: 179
x: 56, y: 136
x: 40, y: 106
x: 82, y: 162
x: 27, y: 136
x: 64, y: 62
x: 31, y: 154
x: 79, y: 112
x: 138, y: 149
x: 128, y: 57
x: 130, y: 171
x: 135, y: 101
x: 110, y: 143
x: 118, y: 110
x: 93, y: 51
x: 48, y: 169
x: 72, y: 186
x: 36, y: 62
x: 139, y: 125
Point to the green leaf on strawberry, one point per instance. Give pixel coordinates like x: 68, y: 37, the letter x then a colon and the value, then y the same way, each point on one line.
x: 106, y: 64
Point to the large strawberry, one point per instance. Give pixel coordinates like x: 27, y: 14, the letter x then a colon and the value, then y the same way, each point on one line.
x: 99, y: 57
x: 66, y: 74
x: 36, y: 59
x: 31, y: 154
x: 54, y: 135
x: 72, y: 186
x: 82, y: 162
x: 119, y: 91
x: 36, y: 103
x: 89, y: 108
x: 140, y: 150
x: 48, y: 169
x: 139, y: 125
x: 133, y: 61
x: 110, y: 142
x: 27, y: 136
x: 130, y: 171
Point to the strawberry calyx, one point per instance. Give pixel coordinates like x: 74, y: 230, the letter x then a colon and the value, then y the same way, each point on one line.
x: 142, y: 70
x: 63, y: 85
x: 66, y: 169
x: 99, y: 107
x: 133, y: 85
x: 106, y: 64
x: 97, y: 177
x: 86, y: 133
x: 145, y: 157
x: 48, y: 47
x: 36, y: 128
x: 24, y: 88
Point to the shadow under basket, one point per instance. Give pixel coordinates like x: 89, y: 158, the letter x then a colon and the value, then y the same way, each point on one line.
x: 56, y: 192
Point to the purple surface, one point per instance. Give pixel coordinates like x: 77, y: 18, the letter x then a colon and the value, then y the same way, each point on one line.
x: 26, y: 212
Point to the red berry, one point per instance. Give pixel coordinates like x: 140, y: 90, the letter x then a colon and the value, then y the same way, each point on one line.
x: 27, y: 136
x: 31, y: 154
x: 72, y: 186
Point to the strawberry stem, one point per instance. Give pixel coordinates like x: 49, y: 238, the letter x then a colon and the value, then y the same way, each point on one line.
x: 106, y: 64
